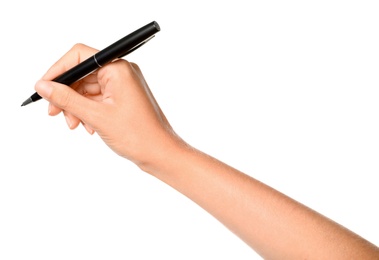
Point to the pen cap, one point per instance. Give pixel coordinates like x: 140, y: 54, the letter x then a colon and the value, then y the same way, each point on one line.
x: 133, y: 39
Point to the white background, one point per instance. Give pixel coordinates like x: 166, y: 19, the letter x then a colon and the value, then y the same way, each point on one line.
x: 286, y: 91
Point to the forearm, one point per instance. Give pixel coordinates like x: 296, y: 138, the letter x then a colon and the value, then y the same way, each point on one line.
x: 117, y: 104
x: 273, y: 224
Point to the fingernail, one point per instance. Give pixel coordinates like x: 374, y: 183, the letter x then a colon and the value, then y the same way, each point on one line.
x: 89, y: 129
x: 68, y: 121
x: 49, y: 109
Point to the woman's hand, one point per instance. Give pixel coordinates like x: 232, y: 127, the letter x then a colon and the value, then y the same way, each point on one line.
x: 115, y: 102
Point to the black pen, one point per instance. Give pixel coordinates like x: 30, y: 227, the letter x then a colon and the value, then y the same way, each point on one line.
x: 118, y: 49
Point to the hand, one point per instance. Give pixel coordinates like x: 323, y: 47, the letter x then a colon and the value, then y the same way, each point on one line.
x: 115, y: 102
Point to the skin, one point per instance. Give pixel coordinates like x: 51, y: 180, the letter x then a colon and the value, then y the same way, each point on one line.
x: 117, y: 104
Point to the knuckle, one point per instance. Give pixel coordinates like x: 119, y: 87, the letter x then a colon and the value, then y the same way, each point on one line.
x: 135, y: 66
x: 65, y: 100
x: 78, y: 46
x: 117, y: 69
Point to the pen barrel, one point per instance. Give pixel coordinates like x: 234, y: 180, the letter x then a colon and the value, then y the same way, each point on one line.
x: 110, y: 53
x: 77, y: 72
x: 117, y: 49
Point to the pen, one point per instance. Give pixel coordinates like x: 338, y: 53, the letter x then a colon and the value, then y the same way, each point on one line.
x: 119, y: 49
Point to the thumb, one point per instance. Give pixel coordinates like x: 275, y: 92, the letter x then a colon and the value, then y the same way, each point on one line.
x: 66, y: 98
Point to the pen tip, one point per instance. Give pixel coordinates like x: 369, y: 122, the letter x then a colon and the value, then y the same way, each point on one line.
x: 28, y: 101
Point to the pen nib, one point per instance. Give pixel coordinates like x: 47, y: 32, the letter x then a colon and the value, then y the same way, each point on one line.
x: 28, y: 101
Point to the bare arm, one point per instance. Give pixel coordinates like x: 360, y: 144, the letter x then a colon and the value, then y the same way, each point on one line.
x: 117, y: 104
x: 274, y: 225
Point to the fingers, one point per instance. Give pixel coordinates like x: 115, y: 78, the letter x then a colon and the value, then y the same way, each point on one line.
x: 74, y: 56
x: 76, y: 107
x: 72, y: 121
x: 87, y: 86
x: 89, y: 129
x: 77, y: 54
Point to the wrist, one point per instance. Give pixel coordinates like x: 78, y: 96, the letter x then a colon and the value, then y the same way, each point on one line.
x: 166, y: 153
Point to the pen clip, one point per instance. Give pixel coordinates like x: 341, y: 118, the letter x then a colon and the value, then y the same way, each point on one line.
x: 136, y: 47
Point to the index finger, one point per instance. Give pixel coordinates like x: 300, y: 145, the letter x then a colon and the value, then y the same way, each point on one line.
x: 78, y: 53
